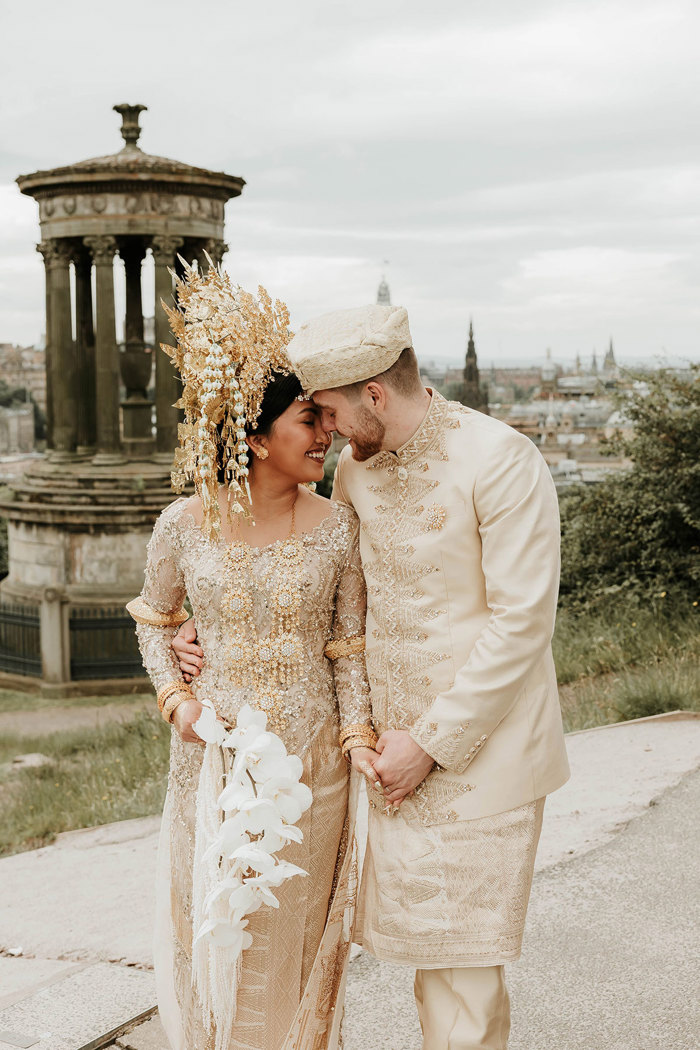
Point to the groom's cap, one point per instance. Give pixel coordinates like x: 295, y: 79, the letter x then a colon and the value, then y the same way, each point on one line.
x: 348, y: 346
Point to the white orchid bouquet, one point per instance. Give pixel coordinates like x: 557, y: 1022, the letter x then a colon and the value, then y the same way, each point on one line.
x: 236, y: 866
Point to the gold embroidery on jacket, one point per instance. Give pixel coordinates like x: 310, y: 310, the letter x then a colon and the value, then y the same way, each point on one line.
x: 399, y: 661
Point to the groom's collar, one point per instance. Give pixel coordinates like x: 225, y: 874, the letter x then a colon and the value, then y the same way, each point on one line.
x: 421, y: 440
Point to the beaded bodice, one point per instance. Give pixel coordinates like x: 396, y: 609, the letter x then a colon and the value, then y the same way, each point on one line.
x: 328, y: 578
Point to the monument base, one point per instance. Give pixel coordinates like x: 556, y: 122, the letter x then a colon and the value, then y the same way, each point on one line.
x: 77, y: 551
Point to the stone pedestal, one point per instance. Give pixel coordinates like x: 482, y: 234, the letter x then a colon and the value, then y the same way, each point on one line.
x: 77, y: 545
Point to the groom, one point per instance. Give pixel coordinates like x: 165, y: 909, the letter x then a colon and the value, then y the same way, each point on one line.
x: 460, y: 549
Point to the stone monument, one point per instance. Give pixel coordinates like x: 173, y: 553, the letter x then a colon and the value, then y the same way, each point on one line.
x: 78, y: 523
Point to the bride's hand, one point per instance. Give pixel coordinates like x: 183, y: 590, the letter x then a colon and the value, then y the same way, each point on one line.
x: 184, y: 717
x: 362, y: 759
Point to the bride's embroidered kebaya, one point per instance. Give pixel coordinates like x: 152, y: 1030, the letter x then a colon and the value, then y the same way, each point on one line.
x: 258, y: 864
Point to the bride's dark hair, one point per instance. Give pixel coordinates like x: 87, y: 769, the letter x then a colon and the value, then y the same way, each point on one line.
x: 280, y: 393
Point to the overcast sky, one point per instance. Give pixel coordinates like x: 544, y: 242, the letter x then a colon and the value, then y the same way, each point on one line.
x: 534, y: 166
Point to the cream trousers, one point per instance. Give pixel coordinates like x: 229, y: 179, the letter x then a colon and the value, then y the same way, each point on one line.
x: 463, y: 1008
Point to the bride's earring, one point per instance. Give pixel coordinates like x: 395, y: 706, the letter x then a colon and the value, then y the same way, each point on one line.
x: 261, y: 452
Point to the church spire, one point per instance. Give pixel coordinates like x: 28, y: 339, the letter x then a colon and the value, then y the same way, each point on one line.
x: 473, y: 396
x: 609, y: 364
x: 383, y: 293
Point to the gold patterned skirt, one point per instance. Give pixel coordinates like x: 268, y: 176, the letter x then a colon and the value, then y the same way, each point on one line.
x: 293, y: 971
x: 444, y: 895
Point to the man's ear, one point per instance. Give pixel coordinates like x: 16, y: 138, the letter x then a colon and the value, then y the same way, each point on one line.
x: 376, y: 395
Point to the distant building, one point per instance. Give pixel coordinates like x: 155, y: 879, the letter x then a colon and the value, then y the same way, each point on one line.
x: 24, y: 366
x: 383, y: 293
x: 16, y: 429
x: 473, y: 395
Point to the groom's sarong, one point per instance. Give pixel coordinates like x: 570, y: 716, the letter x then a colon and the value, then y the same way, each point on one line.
x: 447, y: 895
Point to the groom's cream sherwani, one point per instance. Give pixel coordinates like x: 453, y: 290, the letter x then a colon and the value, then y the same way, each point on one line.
x: 459, y: 543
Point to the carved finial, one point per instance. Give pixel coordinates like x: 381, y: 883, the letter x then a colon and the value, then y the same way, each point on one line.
x: 130, y: 123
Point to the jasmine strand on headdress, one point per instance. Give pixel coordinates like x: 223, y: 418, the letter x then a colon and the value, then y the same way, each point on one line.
x: 229, y: 342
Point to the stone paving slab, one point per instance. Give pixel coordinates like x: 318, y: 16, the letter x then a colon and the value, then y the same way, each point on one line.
x: 148, y: 1036
x: 21, y: 977
x: 83, y: 1011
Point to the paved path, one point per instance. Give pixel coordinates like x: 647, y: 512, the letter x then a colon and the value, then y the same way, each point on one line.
x: 608, y: 957
x: 605, y: 964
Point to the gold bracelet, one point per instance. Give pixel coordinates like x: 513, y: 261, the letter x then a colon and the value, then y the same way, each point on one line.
x: 344, y: 647
x: 169, y: 690
x: 355, y: 741
x: 358, y: 735
x: 354, y: 729
x: 142, y: 612
x: 172, y: 703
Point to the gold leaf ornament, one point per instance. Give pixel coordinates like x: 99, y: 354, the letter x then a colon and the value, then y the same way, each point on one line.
x: 228, y: 344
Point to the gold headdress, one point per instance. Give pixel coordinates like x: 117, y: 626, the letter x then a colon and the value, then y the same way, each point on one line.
x: 228, y: 344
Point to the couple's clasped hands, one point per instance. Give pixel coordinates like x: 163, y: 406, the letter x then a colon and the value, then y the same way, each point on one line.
x: 396, y: 768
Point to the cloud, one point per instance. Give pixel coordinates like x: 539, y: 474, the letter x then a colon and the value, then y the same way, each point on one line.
x: 533, y: 166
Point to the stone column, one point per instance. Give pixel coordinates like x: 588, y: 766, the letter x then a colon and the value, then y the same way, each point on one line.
x: 85, y: 352
x: 60, y: 352
x: 106, y: 353
x: 215, y: 250
x: 168, y: 386
x: 45, y: 248
x: 136, y: 361
x: 54, y: 635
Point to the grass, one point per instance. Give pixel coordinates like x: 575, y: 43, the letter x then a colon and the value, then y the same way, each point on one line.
x: 596, y: 643
x: 96, y: 776
x: 627, y: 663
x: 15, y: 700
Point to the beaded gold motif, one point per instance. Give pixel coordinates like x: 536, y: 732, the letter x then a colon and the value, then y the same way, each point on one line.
x: 344, y: 647
x: 436, y: 517
x: 267, y: 664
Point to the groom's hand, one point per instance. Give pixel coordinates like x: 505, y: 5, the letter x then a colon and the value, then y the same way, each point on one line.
x: 402, y: 764
x: 189, y: 654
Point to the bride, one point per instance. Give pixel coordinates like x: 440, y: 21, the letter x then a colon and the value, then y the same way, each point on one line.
x: 273, y: 576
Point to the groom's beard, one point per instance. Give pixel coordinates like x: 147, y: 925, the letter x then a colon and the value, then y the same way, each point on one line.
x: 367, y: 439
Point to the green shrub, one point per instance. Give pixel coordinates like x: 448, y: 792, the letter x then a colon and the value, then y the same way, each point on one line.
x: 638, y: 531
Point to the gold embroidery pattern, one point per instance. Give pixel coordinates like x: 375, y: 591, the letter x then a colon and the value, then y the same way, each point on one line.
x: 400, y: 661
x: 270, y: 663
x: 432, y: 797
x: 436, y: 517
x: 344, y: 647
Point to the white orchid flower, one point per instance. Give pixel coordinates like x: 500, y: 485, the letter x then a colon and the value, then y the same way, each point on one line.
x: 290, y: 797
x: 231, y: 836
x: 262, y: 800
x: 261, y: 814
x: 233, y: 936
x: 283, y: 870
x: 228, y: 885
x: 244, y: 900
x: 249, y: 725
x: 253, y: 857
x: 209, y: 728
x: 236, y: 792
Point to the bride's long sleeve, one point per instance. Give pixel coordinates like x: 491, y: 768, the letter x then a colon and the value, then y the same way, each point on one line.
x: 158, y: 611
x: 347, y: 646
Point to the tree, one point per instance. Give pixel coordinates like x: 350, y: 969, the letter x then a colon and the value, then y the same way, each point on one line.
x: 639, y: 530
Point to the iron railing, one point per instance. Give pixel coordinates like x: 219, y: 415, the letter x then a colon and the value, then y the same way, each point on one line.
x: 20, y: 639
x: 103, y: 644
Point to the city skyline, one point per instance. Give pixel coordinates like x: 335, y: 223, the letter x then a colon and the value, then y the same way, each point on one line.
x: 530, y: 168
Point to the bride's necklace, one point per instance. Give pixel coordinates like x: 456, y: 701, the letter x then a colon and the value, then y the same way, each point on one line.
x: 264, y: 664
